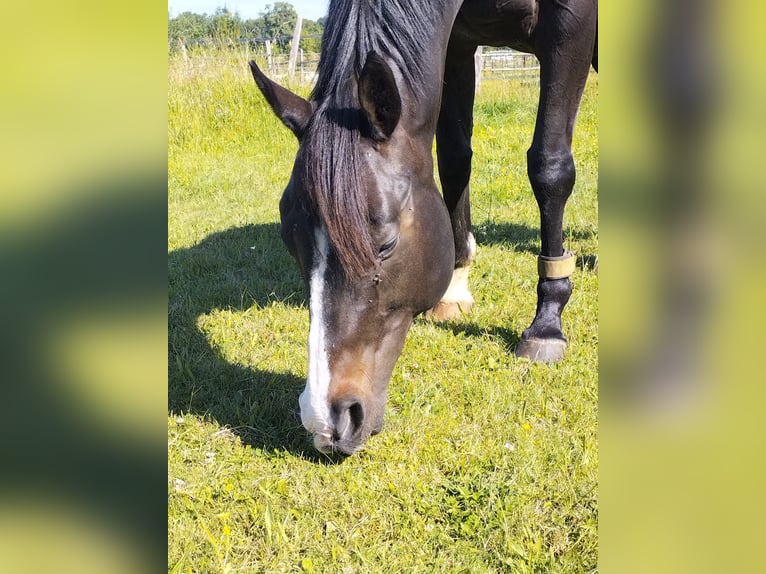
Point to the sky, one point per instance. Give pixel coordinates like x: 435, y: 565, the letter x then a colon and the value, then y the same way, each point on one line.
x: 310, y: 9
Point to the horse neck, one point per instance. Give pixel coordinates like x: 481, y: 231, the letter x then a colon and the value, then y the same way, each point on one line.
x: 420, y: 108
x: 420, y: 111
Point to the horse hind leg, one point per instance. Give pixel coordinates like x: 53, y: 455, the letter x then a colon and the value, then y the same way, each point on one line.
x: 453, y: 152
x: 564, y: 68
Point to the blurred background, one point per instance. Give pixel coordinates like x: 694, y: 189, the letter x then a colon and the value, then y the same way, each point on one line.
x: 83, y: 284
x: 682, y: 206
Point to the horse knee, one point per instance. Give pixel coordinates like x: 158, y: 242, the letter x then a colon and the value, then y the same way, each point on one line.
x: 552, y: 175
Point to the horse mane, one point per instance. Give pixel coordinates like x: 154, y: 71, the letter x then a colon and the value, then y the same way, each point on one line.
x: 398, y: 30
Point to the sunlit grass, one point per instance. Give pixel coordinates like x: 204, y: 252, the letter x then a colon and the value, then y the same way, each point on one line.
x: 487, y: 463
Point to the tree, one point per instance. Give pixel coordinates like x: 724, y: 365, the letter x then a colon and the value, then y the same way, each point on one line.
x: 188, y: 27
x: 276, y: 23
x: 279, y: 22
x: 311, y: 36
x: 254, y: 29
x: 225, y: 25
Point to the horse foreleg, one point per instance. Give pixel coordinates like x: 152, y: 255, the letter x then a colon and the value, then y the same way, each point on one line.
x: 453, y: 151
x: 564, y: 67
x: 552, y: 175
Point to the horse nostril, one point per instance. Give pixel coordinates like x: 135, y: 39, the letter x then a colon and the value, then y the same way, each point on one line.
x: 349, y: 418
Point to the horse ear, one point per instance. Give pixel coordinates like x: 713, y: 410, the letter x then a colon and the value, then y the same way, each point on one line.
x: 293, y: 110
x: 379, y: 97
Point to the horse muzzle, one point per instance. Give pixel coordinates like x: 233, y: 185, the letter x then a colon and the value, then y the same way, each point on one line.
x: 340, y: 429
x: 345, y: 432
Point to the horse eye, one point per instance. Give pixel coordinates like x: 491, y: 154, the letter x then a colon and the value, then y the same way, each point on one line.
x: 388, y: 247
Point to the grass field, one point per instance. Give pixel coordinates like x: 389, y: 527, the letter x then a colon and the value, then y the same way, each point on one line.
x: 487, y: 463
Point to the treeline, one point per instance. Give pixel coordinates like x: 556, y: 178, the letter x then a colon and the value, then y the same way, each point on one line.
x: 276, y: 23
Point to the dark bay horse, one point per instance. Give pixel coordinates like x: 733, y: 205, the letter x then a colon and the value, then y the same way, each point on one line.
x: 374, y: 240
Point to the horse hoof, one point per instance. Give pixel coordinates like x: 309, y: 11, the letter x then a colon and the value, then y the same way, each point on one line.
x: 449, y: 310
x: 541, y: 350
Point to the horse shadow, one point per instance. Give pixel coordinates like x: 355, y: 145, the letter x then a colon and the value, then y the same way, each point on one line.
x: 509, y: 337
x: 237, y: 269
x: 525, y: 238
x: 518, y: 237
x: 234, y: 269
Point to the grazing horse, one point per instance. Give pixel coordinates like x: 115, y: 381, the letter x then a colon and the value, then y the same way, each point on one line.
x: 375, y: 242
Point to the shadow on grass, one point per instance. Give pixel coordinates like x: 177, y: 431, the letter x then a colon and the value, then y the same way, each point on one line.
x: 81, y: 260
x: 236, y: 269
x: 521, y: 237
x: 509, y: 337
x: 233, y: 269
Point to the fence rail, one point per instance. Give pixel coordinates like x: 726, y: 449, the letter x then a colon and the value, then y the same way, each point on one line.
x: 490, y: 63
x: 493, y: 64
x: 506, y: 63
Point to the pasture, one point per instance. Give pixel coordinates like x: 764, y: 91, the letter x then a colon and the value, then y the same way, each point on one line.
x: 487, y: 463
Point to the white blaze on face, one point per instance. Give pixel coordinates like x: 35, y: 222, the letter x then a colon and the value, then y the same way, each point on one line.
x: 315, y: 410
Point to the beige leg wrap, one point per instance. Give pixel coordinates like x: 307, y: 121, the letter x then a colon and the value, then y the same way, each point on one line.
x: 556, y: 267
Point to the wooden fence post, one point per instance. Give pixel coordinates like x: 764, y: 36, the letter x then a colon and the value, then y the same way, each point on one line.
x: 182, y: 45
x: 294, y: 48
x: 269, y: 59
x: 478, y: 63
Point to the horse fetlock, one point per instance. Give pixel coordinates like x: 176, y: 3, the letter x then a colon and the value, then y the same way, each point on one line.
x: 552, y: 297
x: 449, y: 311
x: 457, y: 300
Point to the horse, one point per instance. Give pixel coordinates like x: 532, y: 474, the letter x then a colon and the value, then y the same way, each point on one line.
x: 374, y: 240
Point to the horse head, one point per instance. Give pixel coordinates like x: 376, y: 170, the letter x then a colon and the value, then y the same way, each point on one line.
x: 371, y: 235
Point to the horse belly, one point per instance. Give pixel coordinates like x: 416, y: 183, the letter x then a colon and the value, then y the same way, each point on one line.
x: 497, y: 23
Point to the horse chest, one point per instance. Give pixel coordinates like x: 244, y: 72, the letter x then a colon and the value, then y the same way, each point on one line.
x: 497, y: 23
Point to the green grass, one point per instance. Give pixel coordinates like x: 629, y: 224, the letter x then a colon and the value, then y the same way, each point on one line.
x: 487, y: 463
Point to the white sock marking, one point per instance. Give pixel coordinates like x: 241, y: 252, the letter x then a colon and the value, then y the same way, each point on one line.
x: 472, y: 245
x: 315, y: 410
x: 458, y: 291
